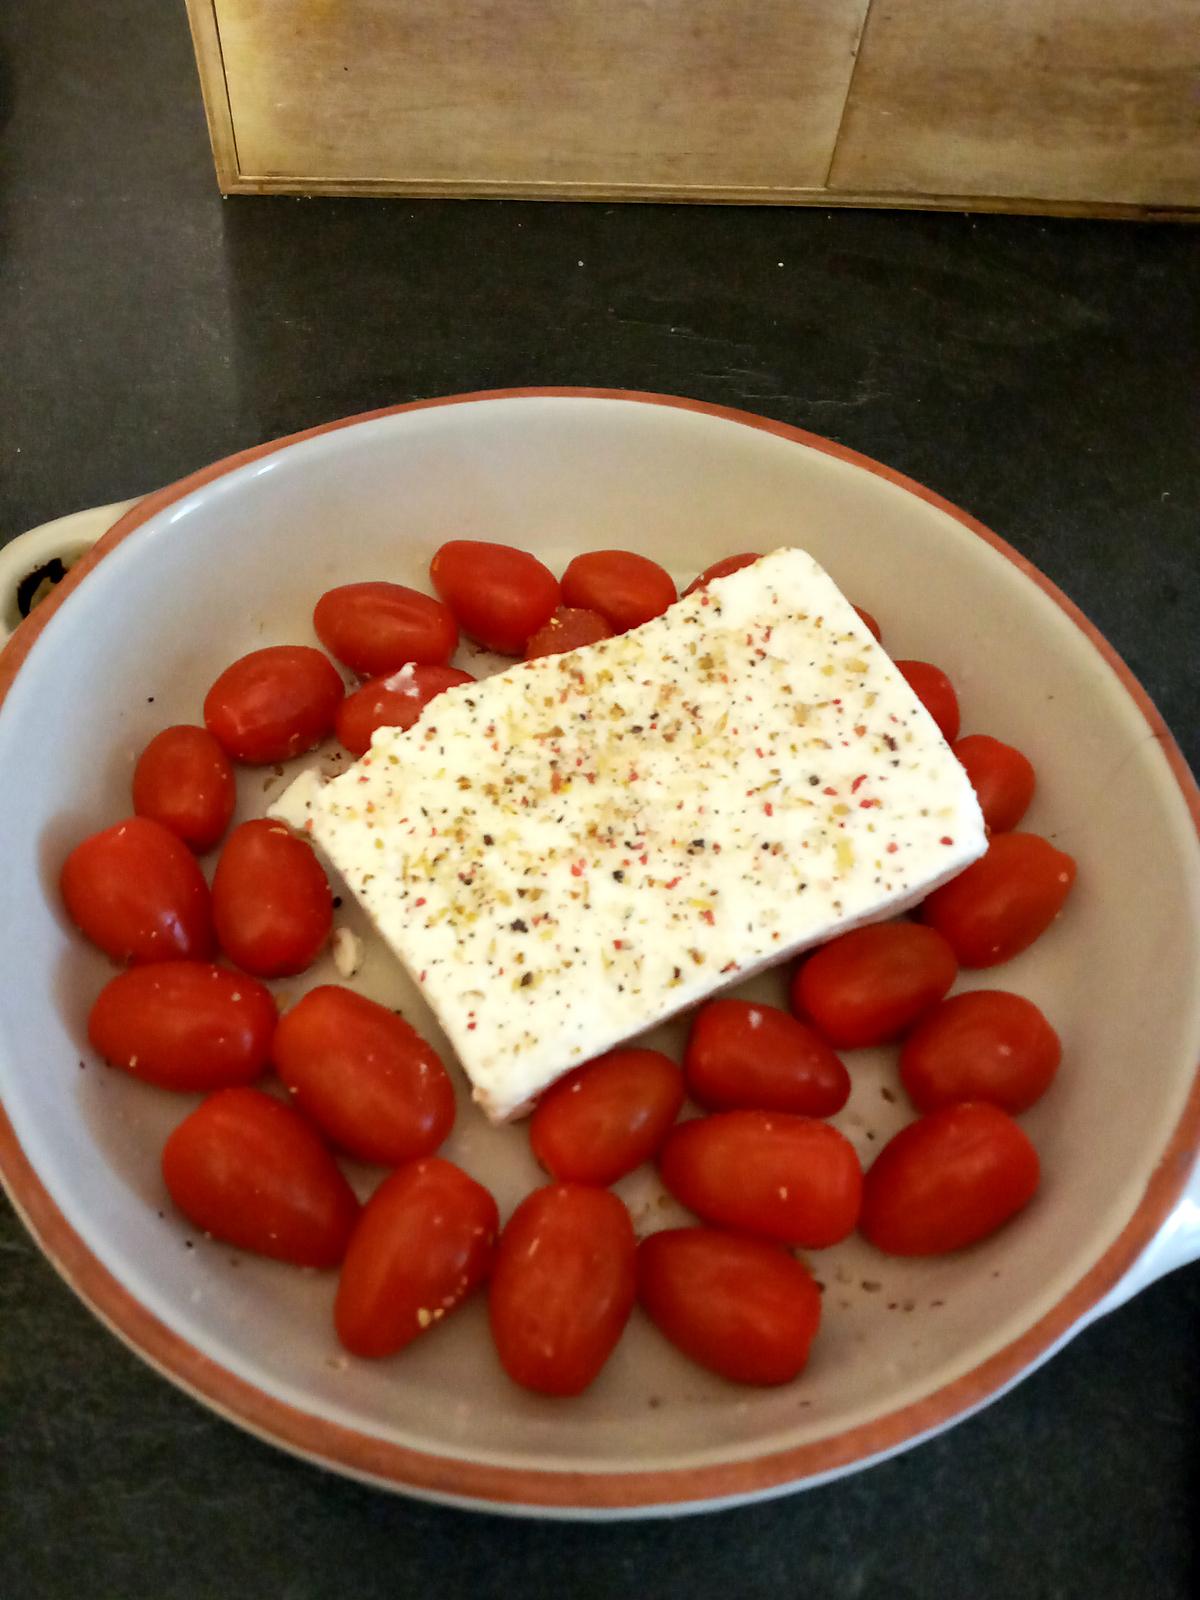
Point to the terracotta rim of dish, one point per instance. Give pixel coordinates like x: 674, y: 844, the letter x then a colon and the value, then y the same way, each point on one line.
x: 397, y: 1466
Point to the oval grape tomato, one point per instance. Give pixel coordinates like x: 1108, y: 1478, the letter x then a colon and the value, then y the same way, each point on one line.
x: 183, y: 780
x: 605, y: 1118
x: 274, y: 704
x: 364, y: 1075
x: 424, y: 1242
x: 252, y: 1172
x: 272, y: 908
x: 184, y: 1025
x: 947, y: 1181
x: 135, y: 890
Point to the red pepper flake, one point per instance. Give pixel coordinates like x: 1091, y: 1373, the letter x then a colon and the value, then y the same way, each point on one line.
x: 858, y: 783
x: 423, y: 976
x: 618, y: 944
x: 768, y: 808
x: 673, y: 883
x: 865, y: 805
x: 945, y: 839
x: 758, y: 753
x: 644, y: 859
x: 828, y: 789
x: 861, y: 730
x: 730, y: 966
x: 471, y: 1026
x: 556, y: 782
x: 419, y: 902
x: 707, y: 916
x: 704, y: 600
x: 892, y: 848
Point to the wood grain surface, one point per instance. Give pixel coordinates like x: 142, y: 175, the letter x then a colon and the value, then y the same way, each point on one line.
x: 1081, y: 100
x: 1075, y: 107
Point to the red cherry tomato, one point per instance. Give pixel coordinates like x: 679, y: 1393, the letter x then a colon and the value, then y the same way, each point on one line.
x: 722, y: 569
x: 135, y: 890
x: 272, y: 908
x: 869, y: 623
x: 872, y: 984
x: 394, y: 702
x: 744, y: 1056
x: 743, y: 1308
x: 987, y: 1045
x: 252, y: 1172
x: 499, y: 595
x: 1003, y: 901
x: 562, y: 1287
x: 948, y: 1180
x: 786, y: 1177
x: 374, y: 628
x: 184, y: 1025
x: 1002, y: 778
x: 424, y: 1241
x: 568, y: 629
x: 274, y: 703
x: 183, y: 780
x: 625, y: 588
x: 607, y: 1117
x: 364, y: 1076
x: 935, y: 692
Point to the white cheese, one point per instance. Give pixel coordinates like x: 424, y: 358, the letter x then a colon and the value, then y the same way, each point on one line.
x: 347, y: 950
x: 582, y: 845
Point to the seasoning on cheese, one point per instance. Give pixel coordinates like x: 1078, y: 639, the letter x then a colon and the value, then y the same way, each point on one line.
x: 566, y: 853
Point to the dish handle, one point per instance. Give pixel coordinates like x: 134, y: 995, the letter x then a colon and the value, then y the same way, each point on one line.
x: 1176, y: 1244
x: 62, y: 541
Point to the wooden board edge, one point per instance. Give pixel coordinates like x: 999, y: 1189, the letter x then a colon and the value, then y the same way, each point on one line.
x: 705, y: 194
x: 214, y: 89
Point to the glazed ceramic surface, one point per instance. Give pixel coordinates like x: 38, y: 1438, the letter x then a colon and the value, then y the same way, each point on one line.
x: 235, y: 559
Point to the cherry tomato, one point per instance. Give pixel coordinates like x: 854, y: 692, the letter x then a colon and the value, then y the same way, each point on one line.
x: 607, y: 1117
x: 274, y: 703
x: 741, y: 1307
x: 499, y: 595
x: 184, y: 1025
x: 272, y: 908
x: 364, y: 1076
x: 789, y: 1178
x: 183, y: 780
x: 869, y: 623
x: 394, y: 702
x: 722, y: 569
x: 374, y: 628
x: 625, y: 588
x: 1002, y: 778
x: 568, y: 629
x: 935, y: 692
x: 948, y: 1180
x: 744, y: 1056
x: 987, y: 1045
x: 872, y: 984
x: 135, y: 890
x: 252, y: 1172
x: 424, y: 1241
x: 1003, y: 901
x: 562, y: 1287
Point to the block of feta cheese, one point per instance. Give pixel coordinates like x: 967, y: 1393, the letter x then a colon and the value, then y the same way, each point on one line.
x: 568, y: 852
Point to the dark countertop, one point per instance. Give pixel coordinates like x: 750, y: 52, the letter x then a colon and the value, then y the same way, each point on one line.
x: 1042, y: 374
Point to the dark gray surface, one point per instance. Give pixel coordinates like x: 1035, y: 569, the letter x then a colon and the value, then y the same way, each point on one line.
x: 1040, y: 374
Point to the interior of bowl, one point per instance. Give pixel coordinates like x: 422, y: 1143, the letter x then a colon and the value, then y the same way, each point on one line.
x: 240, y: 563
